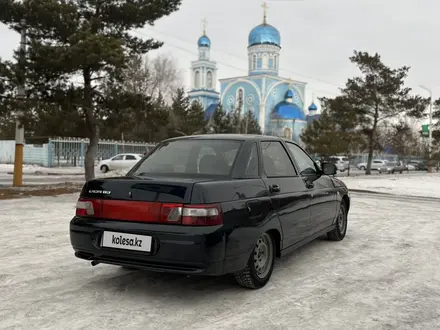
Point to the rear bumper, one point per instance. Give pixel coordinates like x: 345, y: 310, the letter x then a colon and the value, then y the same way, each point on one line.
x: 175, y: 249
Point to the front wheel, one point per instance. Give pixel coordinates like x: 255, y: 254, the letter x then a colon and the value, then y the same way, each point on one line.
x: 362, y: 168
x: 260, y: 265
x: 339, y: 232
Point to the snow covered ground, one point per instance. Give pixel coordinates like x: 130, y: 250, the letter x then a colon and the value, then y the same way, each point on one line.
x: 37, y: 175
x: 31, y: 169
x: 384, y: 275
x: 413, y: 184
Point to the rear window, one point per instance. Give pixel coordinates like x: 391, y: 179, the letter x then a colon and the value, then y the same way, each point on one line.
x: 191, y: 157
x: 345, y: 159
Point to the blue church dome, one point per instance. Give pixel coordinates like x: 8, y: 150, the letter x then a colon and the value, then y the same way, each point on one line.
x: 288, y: 110
x: 264, y: 34
x: 313, y: 107
x: 204, y: 41
x: 289, y: 94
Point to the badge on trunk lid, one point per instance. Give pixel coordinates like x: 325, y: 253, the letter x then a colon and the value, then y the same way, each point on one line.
x: 100, y: 192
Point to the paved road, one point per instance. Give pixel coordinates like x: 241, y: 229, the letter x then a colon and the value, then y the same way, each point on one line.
x: 384, y: 275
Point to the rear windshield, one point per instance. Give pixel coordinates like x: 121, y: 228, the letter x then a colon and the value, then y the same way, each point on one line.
x: 191, y: 157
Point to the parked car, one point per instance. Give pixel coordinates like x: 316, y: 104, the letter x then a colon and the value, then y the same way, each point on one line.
x: 341, y: 162
x: 393, y: 167
x: 375, y: 164
x: 419, y: 165
x: 230, y: 205
x: 119, y: 162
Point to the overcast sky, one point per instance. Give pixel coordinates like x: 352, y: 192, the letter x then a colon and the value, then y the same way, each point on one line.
x: 317, y: 37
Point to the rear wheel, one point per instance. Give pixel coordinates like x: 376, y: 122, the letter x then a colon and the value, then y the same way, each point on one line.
x: 362, y: 168
x: 339, y: 232
x: 260, y: 265
x: 104, y: 168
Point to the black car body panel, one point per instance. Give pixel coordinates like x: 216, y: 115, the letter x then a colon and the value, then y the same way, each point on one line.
x: 301, y: 208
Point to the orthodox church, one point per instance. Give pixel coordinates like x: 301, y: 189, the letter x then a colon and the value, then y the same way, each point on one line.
x: 277, y: 103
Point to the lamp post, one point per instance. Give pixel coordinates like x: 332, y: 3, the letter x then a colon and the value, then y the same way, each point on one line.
x: 430, y: 128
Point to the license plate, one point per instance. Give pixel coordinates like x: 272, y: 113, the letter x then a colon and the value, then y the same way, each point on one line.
x: 126, y: 241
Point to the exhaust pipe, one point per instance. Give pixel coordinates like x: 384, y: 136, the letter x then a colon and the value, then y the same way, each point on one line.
x: 95, y: 262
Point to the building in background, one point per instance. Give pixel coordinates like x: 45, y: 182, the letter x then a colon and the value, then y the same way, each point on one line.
x: 204, y: 77
x: 277, y: 103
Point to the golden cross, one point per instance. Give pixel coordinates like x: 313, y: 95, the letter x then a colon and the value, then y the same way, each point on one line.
x: 204, y: 22
x: 265, y: 7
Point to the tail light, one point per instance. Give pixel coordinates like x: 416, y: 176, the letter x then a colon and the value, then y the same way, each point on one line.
x: 151, y: 212
x: 91, y: 207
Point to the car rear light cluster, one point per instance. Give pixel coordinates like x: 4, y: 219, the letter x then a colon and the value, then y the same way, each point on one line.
x: 151, y: 212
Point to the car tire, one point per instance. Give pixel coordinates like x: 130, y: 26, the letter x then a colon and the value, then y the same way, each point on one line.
x: 339, y: 232
x: 104, y: 169
x: 362, y: 168
x: 260, y: 264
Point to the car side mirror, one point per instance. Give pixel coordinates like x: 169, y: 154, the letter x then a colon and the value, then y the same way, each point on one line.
x: 329, y: 168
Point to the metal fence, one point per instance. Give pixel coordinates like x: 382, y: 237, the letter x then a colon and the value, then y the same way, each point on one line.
x: 71, y: 151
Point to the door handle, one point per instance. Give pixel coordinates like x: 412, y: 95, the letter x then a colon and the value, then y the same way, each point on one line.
x: 274, y: 188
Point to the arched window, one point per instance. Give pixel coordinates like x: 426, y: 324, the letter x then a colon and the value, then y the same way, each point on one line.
x: 209, y: 79
x: 197, y: 79
x: 271, y: 63
x: 287, y: 134
x: 259, y: 63
x: 254, y: 62
x: 265, y: 61
x: 240, y: 100
x: 275, y: 62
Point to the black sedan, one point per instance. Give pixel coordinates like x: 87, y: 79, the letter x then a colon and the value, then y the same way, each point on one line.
x: 211, y: 205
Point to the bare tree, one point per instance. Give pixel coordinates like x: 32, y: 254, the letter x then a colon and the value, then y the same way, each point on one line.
x: 153, y: 77
x: 165, y: 77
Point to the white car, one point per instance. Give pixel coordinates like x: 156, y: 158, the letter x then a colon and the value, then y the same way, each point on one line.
x: 119, y: 162
x: 341, y: 162
x: 375, y: 164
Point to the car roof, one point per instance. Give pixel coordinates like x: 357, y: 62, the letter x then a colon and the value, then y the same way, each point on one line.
x: 242, y: 137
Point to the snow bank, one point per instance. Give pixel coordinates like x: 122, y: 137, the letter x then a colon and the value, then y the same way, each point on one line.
x: 417, y: 184
x: 60, y: 171
x: 32, y: 169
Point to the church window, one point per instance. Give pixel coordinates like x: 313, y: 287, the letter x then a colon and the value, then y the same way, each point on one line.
x: 254, y: 62
x: 271, y: 63
x: 240, y: 99
x: 209, y: 79
x: 259, y: 63
x: 275, y: 62
x: 197, y: 79
x: 265, y: 61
